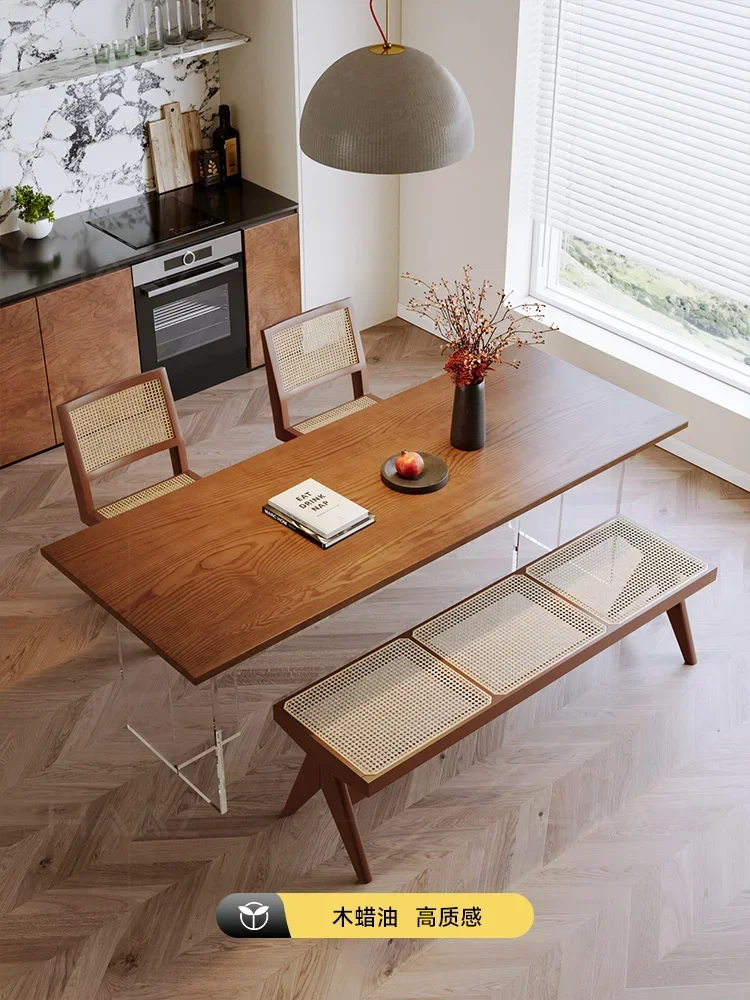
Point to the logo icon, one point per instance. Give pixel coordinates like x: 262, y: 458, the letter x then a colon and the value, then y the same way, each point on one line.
x: 254, y: 915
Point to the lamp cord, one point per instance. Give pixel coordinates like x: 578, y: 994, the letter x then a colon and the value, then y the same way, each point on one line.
x: 386, y: 43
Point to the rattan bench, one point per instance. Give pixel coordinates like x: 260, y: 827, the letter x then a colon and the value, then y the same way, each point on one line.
x: 378, y: 718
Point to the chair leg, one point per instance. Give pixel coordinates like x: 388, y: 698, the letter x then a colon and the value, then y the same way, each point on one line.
x: 340, y: 804
x: 306, y: 784
x: 678, y: 618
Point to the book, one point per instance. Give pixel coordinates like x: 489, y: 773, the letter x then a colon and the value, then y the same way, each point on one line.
x: 320, y: 510
x: 324, y: 543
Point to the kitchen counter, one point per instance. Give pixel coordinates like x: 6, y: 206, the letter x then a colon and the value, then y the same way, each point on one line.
x: 75, y: 251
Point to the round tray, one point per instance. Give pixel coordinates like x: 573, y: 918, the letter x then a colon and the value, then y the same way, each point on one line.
x: 433, y: 478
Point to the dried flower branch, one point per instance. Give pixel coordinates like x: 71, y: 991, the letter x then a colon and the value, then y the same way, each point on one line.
x: 475, y: 335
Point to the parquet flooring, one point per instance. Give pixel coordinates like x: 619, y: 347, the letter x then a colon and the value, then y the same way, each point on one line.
x: 617, y: 799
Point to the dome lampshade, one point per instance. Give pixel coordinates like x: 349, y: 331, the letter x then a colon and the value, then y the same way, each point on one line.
x: 387, y: 110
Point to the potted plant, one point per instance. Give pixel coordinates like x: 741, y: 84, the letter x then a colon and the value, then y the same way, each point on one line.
x: 35, y: 215
x: 477, y: 331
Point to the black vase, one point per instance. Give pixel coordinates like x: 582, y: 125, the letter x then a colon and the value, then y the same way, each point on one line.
x: 467, y: 426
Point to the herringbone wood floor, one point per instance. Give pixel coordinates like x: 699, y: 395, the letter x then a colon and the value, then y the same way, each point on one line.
x: 618, y: 799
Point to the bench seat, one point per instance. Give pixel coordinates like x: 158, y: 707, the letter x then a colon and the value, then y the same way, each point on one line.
x: 378, y: 718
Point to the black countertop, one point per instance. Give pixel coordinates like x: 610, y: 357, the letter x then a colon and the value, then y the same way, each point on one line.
x: 75, y: 251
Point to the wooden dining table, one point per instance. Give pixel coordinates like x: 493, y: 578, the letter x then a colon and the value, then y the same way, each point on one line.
x: 206, y: 579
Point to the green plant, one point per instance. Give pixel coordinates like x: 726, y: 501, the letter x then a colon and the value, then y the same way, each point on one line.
x: 33, y: 206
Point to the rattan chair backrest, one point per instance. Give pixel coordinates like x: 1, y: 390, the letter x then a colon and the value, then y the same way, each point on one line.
x: 121, y: 423
x: 314, y: 348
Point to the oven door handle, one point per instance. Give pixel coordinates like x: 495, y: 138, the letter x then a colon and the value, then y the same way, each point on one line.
x: 192, y: 280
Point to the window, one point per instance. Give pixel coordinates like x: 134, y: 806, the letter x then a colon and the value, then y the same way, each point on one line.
x: 642, y: 174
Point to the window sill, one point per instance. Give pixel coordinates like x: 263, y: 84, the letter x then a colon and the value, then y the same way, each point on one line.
x: 651, y: 362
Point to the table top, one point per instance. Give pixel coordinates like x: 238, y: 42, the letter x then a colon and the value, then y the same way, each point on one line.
x: 206, y: 579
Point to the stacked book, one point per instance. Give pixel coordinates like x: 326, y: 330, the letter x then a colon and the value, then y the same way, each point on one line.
x: 320, y: 514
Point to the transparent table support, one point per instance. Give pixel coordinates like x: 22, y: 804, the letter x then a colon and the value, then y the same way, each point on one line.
x: 175, y: 702
x: 545, y: 527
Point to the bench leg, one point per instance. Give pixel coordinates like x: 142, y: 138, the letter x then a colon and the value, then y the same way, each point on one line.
x: 678, y: 618
x: 306, y: 784
x: 340, y: 804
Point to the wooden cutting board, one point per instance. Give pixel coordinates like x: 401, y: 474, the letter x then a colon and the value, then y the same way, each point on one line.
x: 175, y: 140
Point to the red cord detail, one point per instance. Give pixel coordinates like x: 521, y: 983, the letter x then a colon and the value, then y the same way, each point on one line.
x: 375, y: 19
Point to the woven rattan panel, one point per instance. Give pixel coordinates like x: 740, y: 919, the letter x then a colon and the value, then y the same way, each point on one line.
x: 150, y: 493
x: 353, y: 406
x: 617, y: 570
x: 122, y: 423
x: 387, y: 706
x: 315, y: 348
x: 504, y: 636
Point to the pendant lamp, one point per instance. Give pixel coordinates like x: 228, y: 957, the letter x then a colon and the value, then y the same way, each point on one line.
x: 386, y: 109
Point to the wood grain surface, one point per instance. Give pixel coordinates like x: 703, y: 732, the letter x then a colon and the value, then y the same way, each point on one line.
x: 191, y: 124
x: 272, y: 275
x: 25, y: 416
x: 206, y: 579
x: 169, y: 149
x: 89, y: 335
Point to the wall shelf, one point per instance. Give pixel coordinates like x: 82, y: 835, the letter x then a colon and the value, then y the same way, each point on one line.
x: 83, y: 67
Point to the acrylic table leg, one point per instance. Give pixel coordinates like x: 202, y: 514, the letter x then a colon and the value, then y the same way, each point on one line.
x: 620, y: 488
x: 678, y: 618
x: 340, y: 804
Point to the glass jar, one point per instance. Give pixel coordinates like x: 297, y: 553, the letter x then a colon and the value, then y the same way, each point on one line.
x: 156, y: 28
x: 196, y: 19
x: 141, y: 25
x: 174, y: 22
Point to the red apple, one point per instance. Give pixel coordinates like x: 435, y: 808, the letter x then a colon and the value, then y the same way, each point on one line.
x: 410, y: 465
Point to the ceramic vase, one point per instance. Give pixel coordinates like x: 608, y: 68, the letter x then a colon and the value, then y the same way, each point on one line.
x: 468, y: 423
x: 35, y: 230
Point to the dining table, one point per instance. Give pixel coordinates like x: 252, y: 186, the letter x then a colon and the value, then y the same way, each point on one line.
x: 206, y: 579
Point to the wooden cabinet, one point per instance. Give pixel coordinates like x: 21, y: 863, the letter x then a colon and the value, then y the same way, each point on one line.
x: 25, y: 416
x: 272, y: 268
x: 89, y: 336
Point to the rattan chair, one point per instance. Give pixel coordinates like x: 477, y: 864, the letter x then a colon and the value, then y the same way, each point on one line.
x: 115, y: 426
x: 308, y: 350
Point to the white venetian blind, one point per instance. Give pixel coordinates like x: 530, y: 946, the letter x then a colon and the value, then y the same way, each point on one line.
x: 643, y: 133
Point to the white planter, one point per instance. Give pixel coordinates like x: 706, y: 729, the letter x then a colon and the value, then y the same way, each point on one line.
x: 35, y: 230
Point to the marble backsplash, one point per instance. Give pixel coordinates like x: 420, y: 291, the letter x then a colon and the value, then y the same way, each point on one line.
x: 84, y: 142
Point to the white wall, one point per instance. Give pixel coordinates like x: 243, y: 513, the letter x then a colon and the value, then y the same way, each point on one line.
x: 350, y: 222
x: 259, y: 84
x: 459, y: 215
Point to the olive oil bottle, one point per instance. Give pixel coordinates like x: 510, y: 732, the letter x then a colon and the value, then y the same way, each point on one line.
x: 227, y: 141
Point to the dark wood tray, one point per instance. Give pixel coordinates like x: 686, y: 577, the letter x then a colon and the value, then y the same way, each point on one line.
x: 434, y: 476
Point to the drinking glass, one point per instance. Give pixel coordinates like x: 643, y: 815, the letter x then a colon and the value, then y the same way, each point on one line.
x: 101, y: 54
x: 121, y: 48
x: 174, y: 22
x: 197, y: 19
x: 140, y: 44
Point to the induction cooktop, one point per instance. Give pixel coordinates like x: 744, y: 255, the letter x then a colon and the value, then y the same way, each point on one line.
x: 153, y: 219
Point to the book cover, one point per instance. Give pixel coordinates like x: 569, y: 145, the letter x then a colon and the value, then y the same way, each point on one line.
x: 318, y: 508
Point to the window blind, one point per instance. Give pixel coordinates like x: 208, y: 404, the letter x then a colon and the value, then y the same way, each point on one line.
x: 643, y: 133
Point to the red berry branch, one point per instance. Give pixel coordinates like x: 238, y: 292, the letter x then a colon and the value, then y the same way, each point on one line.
x: 476, y: 330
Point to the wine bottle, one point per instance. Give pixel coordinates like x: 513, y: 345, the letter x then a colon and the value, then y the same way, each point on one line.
x: 227, y: 141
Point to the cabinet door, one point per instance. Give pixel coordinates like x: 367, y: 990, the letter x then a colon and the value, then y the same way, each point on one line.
x: 89, y: 335
x: 273, y: 278
x: 25, y: 416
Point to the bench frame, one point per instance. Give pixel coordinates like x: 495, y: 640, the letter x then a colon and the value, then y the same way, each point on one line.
x: 343, y: 785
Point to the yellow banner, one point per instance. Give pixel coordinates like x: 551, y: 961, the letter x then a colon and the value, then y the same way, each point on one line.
x: 407, y: 914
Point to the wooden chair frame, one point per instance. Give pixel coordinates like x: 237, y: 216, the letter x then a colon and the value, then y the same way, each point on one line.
x: 323, y: 769
x: 81, y: 478
x: 280, y: 398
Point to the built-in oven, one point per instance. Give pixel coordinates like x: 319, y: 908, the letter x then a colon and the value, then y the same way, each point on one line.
x: 191, y: 314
